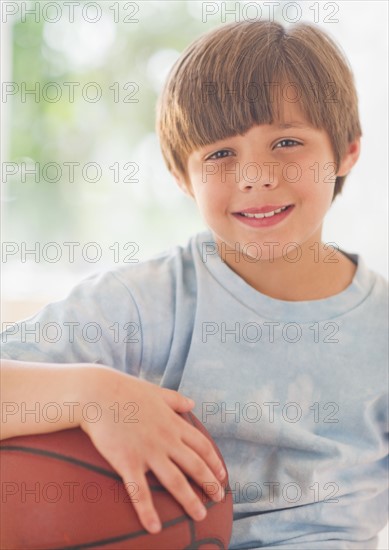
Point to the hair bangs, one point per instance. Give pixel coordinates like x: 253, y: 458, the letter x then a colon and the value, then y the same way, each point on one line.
x: 241, y: 75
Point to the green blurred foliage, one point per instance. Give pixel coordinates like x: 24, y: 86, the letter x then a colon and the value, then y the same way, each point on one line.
x: 111, y: 53
x: 63, y: 131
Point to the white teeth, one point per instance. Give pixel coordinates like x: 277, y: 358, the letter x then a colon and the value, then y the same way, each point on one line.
x: 265, y: 215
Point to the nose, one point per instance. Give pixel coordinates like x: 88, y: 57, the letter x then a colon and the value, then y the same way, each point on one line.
x: 259, y: 176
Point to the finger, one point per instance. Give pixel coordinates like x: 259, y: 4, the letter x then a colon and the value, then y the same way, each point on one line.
x: 142, y: 500
x: 177, y: 484
x: 203, y: 447
x: 197, y: 469
x: 177, y: 401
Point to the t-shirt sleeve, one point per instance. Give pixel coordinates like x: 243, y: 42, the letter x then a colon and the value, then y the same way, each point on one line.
x: 98, y: 322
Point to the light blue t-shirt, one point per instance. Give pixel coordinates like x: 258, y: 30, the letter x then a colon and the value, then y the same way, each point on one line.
x: 295, y: 394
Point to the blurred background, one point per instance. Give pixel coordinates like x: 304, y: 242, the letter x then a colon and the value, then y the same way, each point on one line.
x: 84, y: 186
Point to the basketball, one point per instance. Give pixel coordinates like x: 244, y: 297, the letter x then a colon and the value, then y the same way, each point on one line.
x: 58, y: 492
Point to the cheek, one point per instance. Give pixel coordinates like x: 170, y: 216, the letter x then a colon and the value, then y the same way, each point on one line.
x: 316, y: 184
x: 212, y: 195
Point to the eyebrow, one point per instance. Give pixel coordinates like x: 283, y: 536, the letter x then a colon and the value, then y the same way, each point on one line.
x: 281, y: 126
x: 292, y: 124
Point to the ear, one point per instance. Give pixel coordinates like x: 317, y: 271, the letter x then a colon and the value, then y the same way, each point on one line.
x: 183, y: 184
x: 350, y: 158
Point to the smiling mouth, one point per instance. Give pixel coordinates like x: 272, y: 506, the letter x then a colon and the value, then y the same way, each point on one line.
x: 262, y: 215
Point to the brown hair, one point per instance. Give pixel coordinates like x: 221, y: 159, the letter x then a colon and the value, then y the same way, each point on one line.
x: 225, y: 82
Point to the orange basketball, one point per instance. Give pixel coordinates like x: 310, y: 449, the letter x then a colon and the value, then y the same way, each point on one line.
x: 58, y: 492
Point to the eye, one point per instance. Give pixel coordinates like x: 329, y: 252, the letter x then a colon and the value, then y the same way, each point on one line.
x: 223, y: 153
x: 287, y: 143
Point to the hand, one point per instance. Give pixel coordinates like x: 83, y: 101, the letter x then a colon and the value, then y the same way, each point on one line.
x: 161, y: 441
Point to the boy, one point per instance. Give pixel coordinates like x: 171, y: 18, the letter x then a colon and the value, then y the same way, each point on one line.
x: 278, y: 338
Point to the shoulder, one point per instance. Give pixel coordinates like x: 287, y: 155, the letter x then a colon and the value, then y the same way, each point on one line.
x: 164, y: 292
x: 160, y: 278
x: 175, y: 267
x: 134, y: 311
x: 372, y: 280
x: 369, y: 289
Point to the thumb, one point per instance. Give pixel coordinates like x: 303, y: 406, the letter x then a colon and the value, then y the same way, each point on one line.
x: 176, y: 401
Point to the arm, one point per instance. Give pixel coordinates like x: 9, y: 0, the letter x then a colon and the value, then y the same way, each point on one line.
x: 25, y: 389
x: 160, y: 440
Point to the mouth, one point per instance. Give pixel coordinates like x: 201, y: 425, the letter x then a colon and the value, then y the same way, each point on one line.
x: 264, y: 212
x: 264, y: 216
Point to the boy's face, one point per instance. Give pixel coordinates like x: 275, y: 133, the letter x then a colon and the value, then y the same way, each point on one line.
x: 291, y: 167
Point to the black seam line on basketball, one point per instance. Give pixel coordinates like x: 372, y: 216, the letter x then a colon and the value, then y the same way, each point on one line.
x: 78, y: 462
x: 64, y: 458
x: 192, y: 530
x: 127, y: 536
x: 195, y: 544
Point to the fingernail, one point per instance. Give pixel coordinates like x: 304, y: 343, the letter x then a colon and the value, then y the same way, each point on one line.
x: 222, y: 474
x: 200, y: 512
x: 155, y: 526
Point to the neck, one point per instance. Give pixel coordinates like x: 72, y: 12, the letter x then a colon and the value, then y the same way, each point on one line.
x: 312, y: 271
